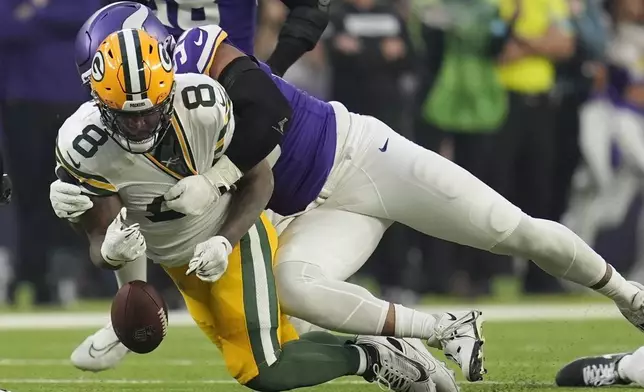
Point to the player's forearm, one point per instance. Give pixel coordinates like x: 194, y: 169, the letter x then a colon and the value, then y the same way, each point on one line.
x: 94, y: 222
x: 301, y: 31
x: 95, y: 243
x: 253, y: 192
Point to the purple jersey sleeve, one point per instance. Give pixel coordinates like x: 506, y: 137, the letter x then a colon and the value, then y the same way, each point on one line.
x: 196, y: 49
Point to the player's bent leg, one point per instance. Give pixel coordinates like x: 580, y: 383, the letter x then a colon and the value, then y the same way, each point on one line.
x: 310, y: 278
x: 311, y: 270
x: 197, y: 296
x: 439, y: 373
x: 102, y: 350
x: 433, y: 195
x: 259, y: 345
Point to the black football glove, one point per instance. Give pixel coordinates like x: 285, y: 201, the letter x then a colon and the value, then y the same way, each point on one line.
x: 5, y: 190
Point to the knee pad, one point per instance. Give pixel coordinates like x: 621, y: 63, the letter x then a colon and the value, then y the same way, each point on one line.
x: 295, y: 281
x: 521, y: 241
x: 538, y: 239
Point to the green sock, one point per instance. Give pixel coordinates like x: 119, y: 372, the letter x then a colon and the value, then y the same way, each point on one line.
x: 304, y: 363
x: 324, y: 337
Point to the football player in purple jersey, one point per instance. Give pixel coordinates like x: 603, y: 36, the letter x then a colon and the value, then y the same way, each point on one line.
x: 303, y: 27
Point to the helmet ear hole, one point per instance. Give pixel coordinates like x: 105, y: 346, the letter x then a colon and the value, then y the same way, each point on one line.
x: 151, y: 49
x: 109, y: 53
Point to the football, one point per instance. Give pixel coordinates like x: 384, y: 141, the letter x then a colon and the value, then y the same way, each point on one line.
x: 139, y: 317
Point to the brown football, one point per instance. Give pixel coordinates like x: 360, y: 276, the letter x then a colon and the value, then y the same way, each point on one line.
x: 139, y: 316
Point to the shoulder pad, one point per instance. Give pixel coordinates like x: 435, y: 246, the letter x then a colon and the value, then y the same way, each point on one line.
x: 77, y: 145
x: 205, y: 104
x: 195, y: 50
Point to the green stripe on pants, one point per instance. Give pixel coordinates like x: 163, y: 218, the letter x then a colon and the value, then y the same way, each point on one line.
x: 270, y: 280
x: 260, y: 298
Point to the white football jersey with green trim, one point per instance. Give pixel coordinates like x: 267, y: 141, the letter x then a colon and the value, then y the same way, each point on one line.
x: 202, y: 128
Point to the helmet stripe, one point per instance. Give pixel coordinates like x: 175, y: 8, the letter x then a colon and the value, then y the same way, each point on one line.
x: 133, y: 63
x: 139, y: 61
x: 126, y: 65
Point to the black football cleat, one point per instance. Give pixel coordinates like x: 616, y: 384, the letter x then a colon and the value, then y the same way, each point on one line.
x: 592, y: 372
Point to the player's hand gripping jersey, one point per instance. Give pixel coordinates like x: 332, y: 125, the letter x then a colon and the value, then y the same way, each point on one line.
x: 307, y: 150
x: 202, y: 127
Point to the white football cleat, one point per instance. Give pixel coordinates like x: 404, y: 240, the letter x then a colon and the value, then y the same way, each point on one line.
x: 442, y: 376
x: 100, y: 351
x: 634, y: 311
x: 460, y: 335
x: 395, y: 365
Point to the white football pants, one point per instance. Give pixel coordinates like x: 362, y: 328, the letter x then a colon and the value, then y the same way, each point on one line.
x: 380, y: 177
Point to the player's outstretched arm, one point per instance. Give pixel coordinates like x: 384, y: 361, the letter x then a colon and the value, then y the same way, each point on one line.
x: 95, y: 221
x: 112, y: 243
x: 300, y: 32
x: 262, y: 113
x: 253, y: 192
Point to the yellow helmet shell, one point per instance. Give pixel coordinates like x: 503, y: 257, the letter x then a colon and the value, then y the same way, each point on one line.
x: 131, y: 71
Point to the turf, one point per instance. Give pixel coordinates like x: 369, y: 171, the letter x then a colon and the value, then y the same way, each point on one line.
x: 521, y: 356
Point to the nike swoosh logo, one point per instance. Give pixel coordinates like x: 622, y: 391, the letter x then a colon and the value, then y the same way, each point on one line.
x: 199, y: 41
x: 384, y: 148
x: 76, y: 164
x: 422, y: 370
x: 99, y: 352
x: 451, y: 316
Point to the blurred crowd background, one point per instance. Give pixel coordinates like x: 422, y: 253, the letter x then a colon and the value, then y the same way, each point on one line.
x: 541, y: 99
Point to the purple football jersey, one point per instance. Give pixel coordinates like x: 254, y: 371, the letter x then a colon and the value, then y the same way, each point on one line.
x: 308, y: 148
x: 236, y: 17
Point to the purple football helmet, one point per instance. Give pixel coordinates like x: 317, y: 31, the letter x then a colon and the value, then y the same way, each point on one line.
x: 112, y: 18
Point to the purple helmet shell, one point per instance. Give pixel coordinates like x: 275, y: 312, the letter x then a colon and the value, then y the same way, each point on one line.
x: 112, y: 18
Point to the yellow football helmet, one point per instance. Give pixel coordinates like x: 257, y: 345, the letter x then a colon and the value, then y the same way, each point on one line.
x: 132, y: 81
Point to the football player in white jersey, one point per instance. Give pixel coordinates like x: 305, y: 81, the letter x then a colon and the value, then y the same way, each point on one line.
x: 99, y: 351
x: 362, y: 176
x: 148, y: 135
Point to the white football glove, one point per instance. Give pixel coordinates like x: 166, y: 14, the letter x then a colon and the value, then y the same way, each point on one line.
x: 210, y: 259
x: 193, y: 195
x: 67, y: 200
x: 122, y: 244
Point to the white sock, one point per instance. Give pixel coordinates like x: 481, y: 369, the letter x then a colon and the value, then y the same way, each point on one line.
x: 631, y: 367
x: 363, y: 360
x: 136, y: 270
x: 411, y: 323
x: 618, y: 289
x: 624, y: 367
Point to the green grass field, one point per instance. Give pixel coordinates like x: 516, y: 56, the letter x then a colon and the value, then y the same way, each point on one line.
x: 521, y: 356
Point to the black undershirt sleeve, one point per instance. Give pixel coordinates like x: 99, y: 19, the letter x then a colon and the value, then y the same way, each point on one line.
x: 301, y: 31
x: 262, y: 113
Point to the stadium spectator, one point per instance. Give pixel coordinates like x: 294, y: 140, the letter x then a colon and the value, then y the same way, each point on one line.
x: 369, y: 51
x: 37, y: 41
x: 574, y: 86
x: 466, y: 103
x: 538, y: 34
